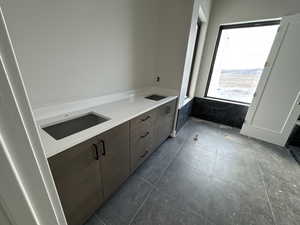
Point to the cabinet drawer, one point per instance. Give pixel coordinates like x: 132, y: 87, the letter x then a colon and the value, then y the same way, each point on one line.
x: 141, y: 133
x: 141, y: 146
x: 145, y: 120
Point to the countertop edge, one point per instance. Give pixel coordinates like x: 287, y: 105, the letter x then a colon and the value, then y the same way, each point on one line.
x: 54, y: 148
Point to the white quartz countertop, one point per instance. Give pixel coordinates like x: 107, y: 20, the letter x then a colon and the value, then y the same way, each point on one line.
x: 118, y: 112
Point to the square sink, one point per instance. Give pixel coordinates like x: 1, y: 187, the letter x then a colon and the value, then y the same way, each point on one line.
x: 155, y: 97
x: 74, y: 125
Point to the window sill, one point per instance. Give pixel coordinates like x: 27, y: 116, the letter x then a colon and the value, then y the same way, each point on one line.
x: 226, y: 101
x: 186, y: 101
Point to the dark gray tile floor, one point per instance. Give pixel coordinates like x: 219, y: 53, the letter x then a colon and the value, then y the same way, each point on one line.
x: 211, y: 175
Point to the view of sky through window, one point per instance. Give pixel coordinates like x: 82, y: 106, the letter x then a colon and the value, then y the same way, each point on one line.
x: 240, y: 59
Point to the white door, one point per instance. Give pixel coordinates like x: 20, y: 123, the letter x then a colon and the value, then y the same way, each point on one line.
x: 27, y: 192
x: 275, y: 108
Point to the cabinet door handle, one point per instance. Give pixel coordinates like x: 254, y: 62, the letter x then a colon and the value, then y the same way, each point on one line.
x: 145, y: 135
x: 142, y: 156
x: 96, y: 150
x: 103, y: 148
x: 146, y: 118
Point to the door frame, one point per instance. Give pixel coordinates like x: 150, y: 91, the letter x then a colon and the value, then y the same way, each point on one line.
x: 27, y: 191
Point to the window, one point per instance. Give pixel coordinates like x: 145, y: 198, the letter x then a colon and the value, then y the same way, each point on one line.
x: 240, y: 54
x: 193, y: 59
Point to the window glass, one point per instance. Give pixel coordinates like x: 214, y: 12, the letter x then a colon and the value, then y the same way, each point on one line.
x: 239, y: 61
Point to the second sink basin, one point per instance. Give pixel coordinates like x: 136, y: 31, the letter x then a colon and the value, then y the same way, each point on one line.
x: 155, y: 97
x: 72, y: 126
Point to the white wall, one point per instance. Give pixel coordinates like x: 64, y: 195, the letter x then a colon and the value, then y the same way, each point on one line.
x: 230, y: 11
x: 74, y: 49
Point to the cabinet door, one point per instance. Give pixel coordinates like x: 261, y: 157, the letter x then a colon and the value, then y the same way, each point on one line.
x: 164, y: 122
x: 115, y: 161
x: 78, y: 180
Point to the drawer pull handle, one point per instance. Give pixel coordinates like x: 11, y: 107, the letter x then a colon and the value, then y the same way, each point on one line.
x: 103, y: 148
x: 146, y: 118
x: 96, y: 150
x: 145, y: 135
x: 146, y: 152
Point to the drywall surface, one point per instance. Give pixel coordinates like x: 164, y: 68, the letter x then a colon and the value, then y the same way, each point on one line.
x: 4, y: 220
x: 177, y: 34
x: 72, y: 49
x: 231, y: 11
x: 174, y: 26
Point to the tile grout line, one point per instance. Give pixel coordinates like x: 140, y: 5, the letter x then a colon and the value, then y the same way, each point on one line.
x: 154, y: 187
x: 141, y: 206
x: 266, y: 193
x: 180, y: 148
x: 171, y: 161
x: 99, y: 219
x: 146, y: 181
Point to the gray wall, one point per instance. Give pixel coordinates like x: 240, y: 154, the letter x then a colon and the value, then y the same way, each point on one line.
x: 175, y: 18
x: 74, y: 49
x: 230, y: 11
x: 4, y: 220
x: 174, y: 29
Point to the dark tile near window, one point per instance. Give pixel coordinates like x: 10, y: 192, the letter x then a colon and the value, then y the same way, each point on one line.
x: 123, y: 205
x: 219, y: 112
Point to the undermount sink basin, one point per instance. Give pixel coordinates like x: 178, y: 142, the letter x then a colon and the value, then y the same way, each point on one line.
x: 155, y: 97
x: 74, y: 125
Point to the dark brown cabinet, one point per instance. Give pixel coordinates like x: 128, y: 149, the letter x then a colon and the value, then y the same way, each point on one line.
x: 115, y: 158
x: 164, y: 122
x: 87, y: 174
x: 142, y: 137
x: 150, y: 130
x: 78, y: 180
